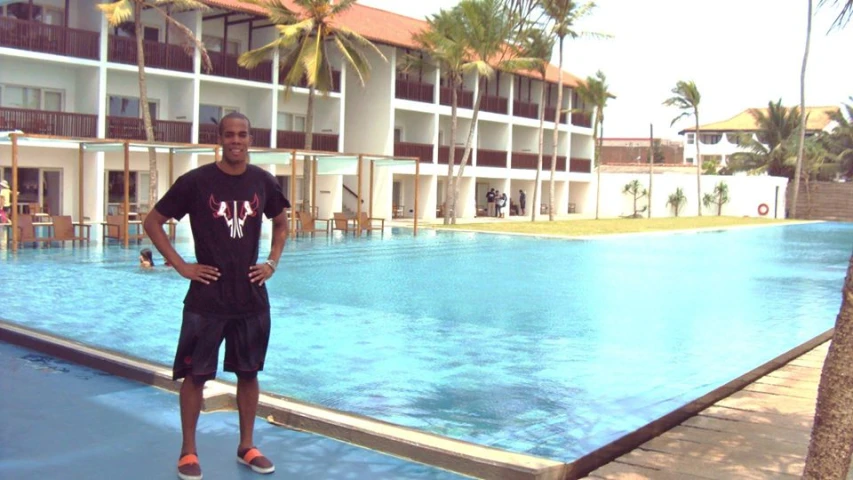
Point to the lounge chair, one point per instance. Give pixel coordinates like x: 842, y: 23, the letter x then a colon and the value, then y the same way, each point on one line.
x: 113, y: 228
x: 365, y: 223
x: 27, y: 231
x: 308, y: 224
x: 342, y: 222
x: 64, y: 230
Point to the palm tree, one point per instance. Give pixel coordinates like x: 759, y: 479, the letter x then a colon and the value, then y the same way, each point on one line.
x: 843, y: 16
x: 677, y: 200
x: 637, y: 191
x: 719, y: 198
x: 471, y: 38
x: 562, y: 15
x: 799, y: 165
x: 770, y: 151
x: 304, y: 37
x: 686, y: 97
x: 596, y: 92
x: 840, y: 141
x: 539, y: 45
x: 120, y: 12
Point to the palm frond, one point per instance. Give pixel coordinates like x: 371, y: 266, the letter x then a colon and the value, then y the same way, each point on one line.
x: 194, y: 42
x: 117, y: 13
x: 253, y: 58
x: 355, y: 58
x: 180, y: 5
x: 277, y: 13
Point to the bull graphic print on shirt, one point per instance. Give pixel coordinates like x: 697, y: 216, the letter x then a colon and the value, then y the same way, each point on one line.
x: 235, y: 218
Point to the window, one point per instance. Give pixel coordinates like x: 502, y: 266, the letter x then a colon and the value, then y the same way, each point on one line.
x: 138, y: 188
x: 689, y: 161
x: 32, y: 98
x: 152, y: 34
x: 212, y: 113
x: 291, y: 122
x: 398, y: 135
x: 690, y: 137
x: 129, y: 107
x: 214, y: 44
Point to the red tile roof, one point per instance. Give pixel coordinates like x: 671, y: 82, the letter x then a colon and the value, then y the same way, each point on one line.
x: 381, y: 26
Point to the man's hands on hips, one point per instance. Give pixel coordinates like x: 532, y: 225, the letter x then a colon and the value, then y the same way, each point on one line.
x: 199, y: 273
x: 260, y: 273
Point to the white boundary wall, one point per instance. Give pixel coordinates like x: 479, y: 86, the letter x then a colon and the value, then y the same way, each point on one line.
x: 746, y: 193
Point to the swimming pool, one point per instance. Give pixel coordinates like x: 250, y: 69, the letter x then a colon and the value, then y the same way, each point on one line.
x: 548, y: 347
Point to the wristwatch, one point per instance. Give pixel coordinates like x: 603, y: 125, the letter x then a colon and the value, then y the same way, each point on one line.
x: 272, y: 263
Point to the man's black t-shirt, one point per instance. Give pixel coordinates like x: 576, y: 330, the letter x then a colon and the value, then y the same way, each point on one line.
x: 490, y: 196
x: 225, y: 217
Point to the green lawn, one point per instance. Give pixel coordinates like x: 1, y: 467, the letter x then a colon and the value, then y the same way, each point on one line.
x: 612, y: 225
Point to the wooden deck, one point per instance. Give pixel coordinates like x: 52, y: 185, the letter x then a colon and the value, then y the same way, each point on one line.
x: 760, y: 432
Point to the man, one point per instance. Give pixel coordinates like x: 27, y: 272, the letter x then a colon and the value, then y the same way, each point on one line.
x: 522, y: 200
x: 490, y: 202
x: 227, y: 298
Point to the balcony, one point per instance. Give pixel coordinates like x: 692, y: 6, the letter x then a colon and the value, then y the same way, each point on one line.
x: 42, y: 122
x: 128, y: 128
x: 421, y: 150
x: 225, y: 65
x: 39, y: 37
x: 582, y: 119
x: 580, y: 165
x: 528, y: 161
x: 444, y: 156
x: 208, y: 134
x: 491, y: 158
x: 323, y: 142
x: 417, y: 91
x: 465, y: 97
x: 494, y: 104
x: 336, y: 81
x: 526, y: 110
x: 157, y: 55
x: 551, y: 112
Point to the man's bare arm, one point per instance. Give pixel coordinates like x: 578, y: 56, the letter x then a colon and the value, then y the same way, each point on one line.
x: 153, y: 225
x: 261, y: 272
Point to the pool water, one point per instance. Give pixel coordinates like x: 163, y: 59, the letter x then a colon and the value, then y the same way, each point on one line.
x: 542, y: 346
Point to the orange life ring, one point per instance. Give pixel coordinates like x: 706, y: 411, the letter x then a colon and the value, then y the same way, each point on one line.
x: 763, y: 209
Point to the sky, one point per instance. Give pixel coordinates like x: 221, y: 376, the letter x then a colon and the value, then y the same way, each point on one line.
x: 741, y: 54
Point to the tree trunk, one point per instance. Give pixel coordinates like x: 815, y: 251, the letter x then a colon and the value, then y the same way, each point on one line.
x: 467, y: 152
x: 309, y: 143
x: 451, y: 155
x: 143, y: 103
x: 596, y: 155
x: 556, y: 138
x: 832, y: 434
x: 541, y: 149
x: 698, y: 165
x: 799, y: 167
x: 808, y: 197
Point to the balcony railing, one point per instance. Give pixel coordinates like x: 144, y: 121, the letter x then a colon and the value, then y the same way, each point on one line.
x: 336, y: 81
x: 417, y: 91
x: 550, y: 112
x: 127, y: 128
x: 465, y: 97
x: 526, y: 110
x: 491, y: 158
x: 494, y: 104
x: 157, y: 55
x: 580, y: 165
x: 444, y: 156
x: 39, y: 37
x: 582, y: 119
x: 225, y: 65
x: 324, y: 142
x: 421, y: 150
x: 49, y: 123
x: 208, y: 133
x: 528, y: 161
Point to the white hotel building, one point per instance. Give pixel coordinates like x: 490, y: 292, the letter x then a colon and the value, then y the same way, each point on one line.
x: 64, y: 72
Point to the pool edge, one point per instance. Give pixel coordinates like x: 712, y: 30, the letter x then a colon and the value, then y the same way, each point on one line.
x: 454, y: 455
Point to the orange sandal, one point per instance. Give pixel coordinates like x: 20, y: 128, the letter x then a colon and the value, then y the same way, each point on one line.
x: 189, y: 468
x: 254, y: 459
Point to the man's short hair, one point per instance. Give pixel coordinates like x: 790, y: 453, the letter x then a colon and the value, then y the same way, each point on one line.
x: 234, y: 115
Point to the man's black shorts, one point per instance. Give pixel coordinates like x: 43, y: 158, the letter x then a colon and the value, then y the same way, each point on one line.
x: 246, y: 339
